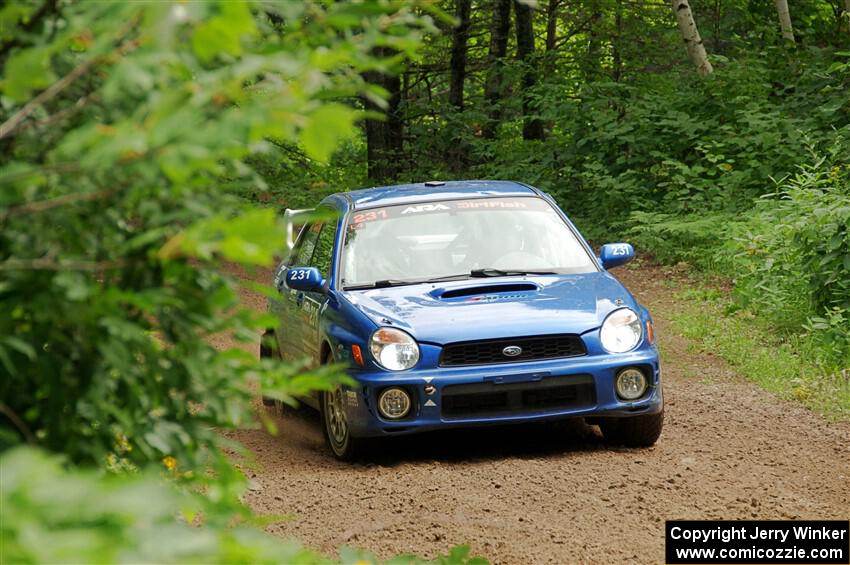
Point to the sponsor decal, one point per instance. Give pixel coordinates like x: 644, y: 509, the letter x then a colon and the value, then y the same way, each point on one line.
x: 351, y: 398
x: 365, y: 217
x: 492, y: 297
x: 424, y: 208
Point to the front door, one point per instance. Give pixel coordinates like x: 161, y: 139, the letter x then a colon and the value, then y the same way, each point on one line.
x: 289, y: 307
x: 315, y: 302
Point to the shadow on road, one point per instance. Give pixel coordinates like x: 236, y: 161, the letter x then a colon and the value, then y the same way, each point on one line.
x: 491, y: 442
x: 460, y: 444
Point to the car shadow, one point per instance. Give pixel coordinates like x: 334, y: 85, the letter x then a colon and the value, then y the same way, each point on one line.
x: 534, y: 440
x: 489, y: 443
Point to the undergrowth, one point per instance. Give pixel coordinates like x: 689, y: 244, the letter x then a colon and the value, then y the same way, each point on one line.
x: 784, y: 364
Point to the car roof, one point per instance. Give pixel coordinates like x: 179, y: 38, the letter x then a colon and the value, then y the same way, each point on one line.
x: 429, y: 191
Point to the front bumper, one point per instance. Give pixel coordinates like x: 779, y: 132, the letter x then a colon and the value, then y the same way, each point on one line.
x: 505, y: 393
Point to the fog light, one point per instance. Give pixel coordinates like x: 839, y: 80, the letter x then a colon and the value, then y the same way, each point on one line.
x: 631, y: 384
x: 394, y: 403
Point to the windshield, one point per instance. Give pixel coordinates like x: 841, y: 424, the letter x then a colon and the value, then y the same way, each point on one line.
x: 419, y: 242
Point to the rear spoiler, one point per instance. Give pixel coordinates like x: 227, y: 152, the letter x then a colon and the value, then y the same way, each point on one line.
x: 292, y: 217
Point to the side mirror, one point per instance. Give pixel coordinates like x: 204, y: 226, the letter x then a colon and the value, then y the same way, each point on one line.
x: 307, y: 279
x: 615, y: 254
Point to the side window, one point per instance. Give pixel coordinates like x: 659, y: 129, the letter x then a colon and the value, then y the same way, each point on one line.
x: 323, y: 255
x: 303, y: 250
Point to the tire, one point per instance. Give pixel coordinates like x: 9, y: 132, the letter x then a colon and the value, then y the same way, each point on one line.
x: 335, y: 426
x: 266, y: 352
x: 634, y: 431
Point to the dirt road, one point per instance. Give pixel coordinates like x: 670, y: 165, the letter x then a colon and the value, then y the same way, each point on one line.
x: 557, y: 494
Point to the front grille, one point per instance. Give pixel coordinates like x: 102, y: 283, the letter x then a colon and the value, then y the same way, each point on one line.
x: 489, y: 352
x: 491, y: 399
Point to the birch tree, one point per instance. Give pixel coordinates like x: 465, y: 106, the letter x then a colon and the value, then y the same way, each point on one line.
x: 691, y: 37
x: 785, y: 19
x: 460, y: 36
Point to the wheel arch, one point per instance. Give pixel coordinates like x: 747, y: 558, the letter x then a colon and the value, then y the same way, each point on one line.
x: 325, y: 351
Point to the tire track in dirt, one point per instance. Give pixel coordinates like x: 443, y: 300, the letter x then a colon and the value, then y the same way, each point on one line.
x: 556, y: 493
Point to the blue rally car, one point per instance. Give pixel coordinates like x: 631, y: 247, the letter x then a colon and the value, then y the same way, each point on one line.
x: 460, y: 304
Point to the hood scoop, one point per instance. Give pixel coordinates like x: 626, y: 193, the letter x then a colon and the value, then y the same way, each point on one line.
x: 489, y: 289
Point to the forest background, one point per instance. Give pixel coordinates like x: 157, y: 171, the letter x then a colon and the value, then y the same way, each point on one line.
x: 145, y: 145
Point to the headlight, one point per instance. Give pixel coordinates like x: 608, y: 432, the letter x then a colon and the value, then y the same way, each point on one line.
x: 621, y: 331
x: 394, y: 349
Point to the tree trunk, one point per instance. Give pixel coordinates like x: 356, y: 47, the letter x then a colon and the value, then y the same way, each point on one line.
x: 458, y: 60
x: 785, y: 20
x: 552, y: 34
x: 593, y: 57
x: 847, y: 13
x: 456, y: 155
x: 494, y: 87
x: 384, y: 137
x: 616, y: 58
x: 690, y: 34
x: 532, y: 128
x: 716, y: 28
x: 552, y: 24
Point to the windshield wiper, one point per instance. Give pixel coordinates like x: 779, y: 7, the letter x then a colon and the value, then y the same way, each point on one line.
x: 474, y: 273
x: 383, y: 283
x: 506, y: 273
x: 458, y: 277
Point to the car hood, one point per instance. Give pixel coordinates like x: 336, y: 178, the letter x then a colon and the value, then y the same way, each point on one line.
x: 496, y: 307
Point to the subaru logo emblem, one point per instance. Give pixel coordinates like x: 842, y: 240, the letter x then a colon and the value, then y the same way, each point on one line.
x: 511, y: 351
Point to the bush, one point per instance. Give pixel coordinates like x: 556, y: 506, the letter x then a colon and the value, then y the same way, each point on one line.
x: 119, y: 209
x: 51, y: 515
x: 670, y: 238
x: 792, y: 257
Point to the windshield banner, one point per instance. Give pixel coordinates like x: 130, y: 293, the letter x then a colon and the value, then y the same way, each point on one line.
x: 450, y: 206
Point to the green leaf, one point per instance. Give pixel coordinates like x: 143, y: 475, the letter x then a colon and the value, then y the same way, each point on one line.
x: 75, y: 285
x: 214, y: 37
x: 6, y: 361
x: 326, y: 128
x: 157, y: 441
x: 27, y: 71
x: 223, y: 34
x: 20, y: 345
x: 11, y: 14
